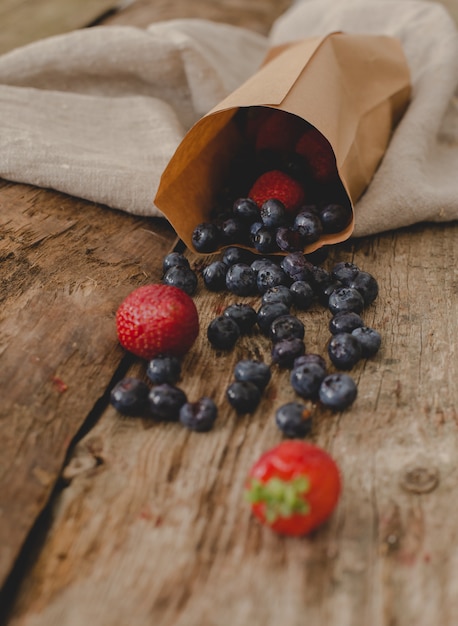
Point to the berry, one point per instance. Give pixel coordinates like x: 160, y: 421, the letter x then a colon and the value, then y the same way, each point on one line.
x: 268, y: 313
x: 199, y: 416
x: 286, y: 327
x: 254, y: 372
x: 297, y: 267
x: 243, y: 396
x: 369, y: 340
x: 273, y: 213
x: 182, y: 277
x: 345, y: 271
x: 302, y: 294
x: 289, y: 239
x: 279, y: 293
x: 233, y: 255
x: 264, y: 240
x: 278, y: 131
x: 344, y: 350
x: 309, y: 225
x: 164, y: 369
x: 130, y: 396
x: 345, y: 322
x: 327, y: 289
x: 338, y: 391
x: 206, y: 237
x: 241, y: 279
x: 254, y: 227
x: 246, y: 210
x: 243, y: 315
x: 294, y: 487
x: 311, y: 358
x: 214, y: 276
x: 345, y: 299
x: 157, y: 320
x: 261, y: 263
x: 270, y: 276
x: 165, y: 402
x: 306, y: 379
x: 294, y: 419
x: 367, y: 286
x: 278, y: 185
x: 233, y: 230
x: 316, y: 149
x: 285, y: 352
x: 172, y: 259
x: 223, y: 332
x: 335, y: 217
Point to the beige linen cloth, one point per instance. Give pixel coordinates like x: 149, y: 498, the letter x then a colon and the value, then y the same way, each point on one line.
x: 98, y: 113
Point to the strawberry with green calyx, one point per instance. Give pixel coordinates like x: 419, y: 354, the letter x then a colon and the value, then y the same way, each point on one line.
x: 294, y: 487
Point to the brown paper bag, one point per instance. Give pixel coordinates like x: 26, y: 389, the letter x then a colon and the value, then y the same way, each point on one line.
x: 352, y: 88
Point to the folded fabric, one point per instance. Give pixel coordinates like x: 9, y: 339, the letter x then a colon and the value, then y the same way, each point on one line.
x: 99, y: 112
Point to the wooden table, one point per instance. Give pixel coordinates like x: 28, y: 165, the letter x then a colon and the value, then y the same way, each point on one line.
x: 112, y: 521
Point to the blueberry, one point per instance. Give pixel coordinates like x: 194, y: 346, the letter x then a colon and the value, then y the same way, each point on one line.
x: 246, y: 209
x: 338, y: 391
x: 369, y: 339
x: 344, y: 350
x: 294, y: 419
x: 233, y: 255
x: 130, y: 396
x: 286, y: 327
x: 344, y: 271
x: 206, y: 237
x: 296, y: 266
x: 335, y: 217
x: 241, y: 279
x: 233, y: 230
x: 345, y: 299
x: 279, y: 293
x: 261, y: 263
x: 165, y: 402
x: 311, y: 358
x: 309, y: 225
x: 367, y: 286
x: 345, y: 322
x: 326, y: 290
x: 223, y: 332
x: 214, y: 276
x: 199, y: 416
x: 273, y: 213
x: 302, y: 294
x: 264, y: 240
x: 267, y: 313
x: 172, y: 259
x: 243, y: 315
x: 164, y: 369
x: 289, y: 239
x: 243, y: 396
x: 254, y: 372
x: 181, y: 277
x: 306, y: 379
x: 269, y: 277
x: 285, y: 352
x: 254, y: 227
x: 320, y: 278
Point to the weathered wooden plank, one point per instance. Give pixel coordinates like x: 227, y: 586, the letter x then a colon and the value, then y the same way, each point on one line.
x: 63, y: 265
x: 24, y: 21
x: 152, y: 527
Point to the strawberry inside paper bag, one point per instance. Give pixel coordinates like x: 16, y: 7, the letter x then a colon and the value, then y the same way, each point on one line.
x: 278, y: 165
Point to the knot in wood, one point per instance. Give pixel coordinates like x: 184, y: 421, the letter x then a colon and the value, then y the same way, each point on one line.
x: 419, y: 479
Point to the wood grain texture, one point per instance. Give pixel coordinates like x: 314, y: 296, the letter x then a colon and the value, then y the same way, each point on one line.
x: 158, y: 532
x: 64, y: 265
x: 24, y: 21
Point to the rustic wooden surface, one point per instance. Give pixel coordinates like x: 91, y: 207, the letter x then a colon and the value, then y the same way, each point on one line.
x: 116, y: 521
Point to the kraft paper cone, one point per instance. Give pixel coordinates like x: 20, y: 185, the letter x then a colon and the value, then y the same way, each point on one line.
x: 352, y: 88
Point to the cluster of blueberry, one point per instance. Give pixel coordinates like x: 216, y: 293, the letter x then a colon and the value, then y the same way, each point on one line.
x: 164, y: 401
x: 270, y: 228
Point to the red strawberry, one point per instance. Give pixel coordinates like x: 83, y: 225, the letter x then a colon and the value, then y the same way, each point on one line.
x: 157, y: 320
x: 277, y: 184
x: 279, y: 132
x: 317, y: 151
x: 294, y: 487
